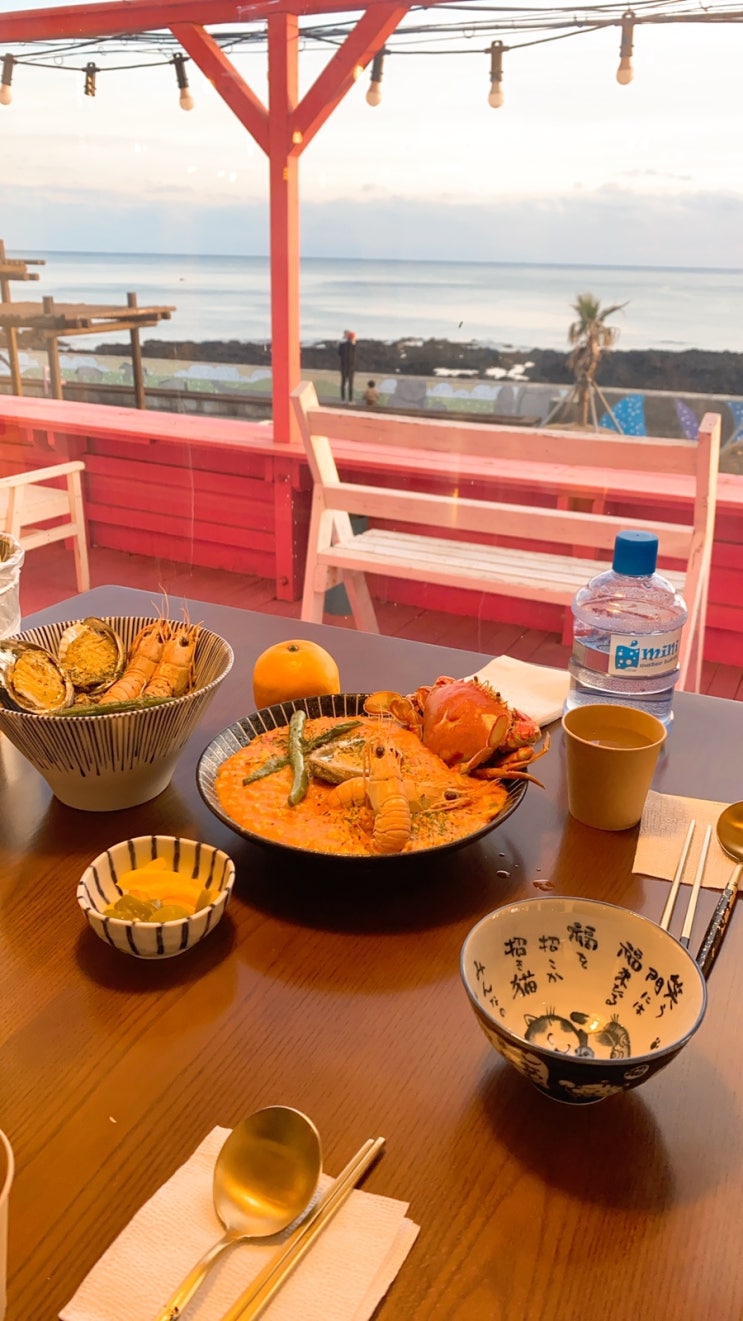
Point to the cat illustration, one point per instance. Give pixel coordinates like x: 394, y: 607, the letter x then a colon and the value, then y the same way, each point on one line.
x: 559, y: 1034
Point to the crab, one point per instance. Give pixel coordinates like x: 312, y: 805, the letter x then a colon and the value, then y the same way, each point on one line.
x: 469, y: 725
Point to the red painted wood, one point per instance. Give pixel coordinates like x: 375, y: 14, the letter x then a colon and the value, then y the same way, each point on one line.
x: 283, y: 84
x: 225, y: 79
x: 109, y: 19
x: 177, y: 478
x: 200, y: 505
x: 339, y: 75
x: 140, y: 522
x: 202, y: 554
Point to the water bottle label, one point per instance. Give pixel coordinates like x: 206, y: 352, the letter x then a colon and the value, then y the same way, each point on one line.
x: 654, y: 654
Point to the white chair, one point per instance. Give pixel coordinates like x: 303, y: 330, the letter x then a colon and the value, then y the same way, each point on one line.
x: 29, y: 501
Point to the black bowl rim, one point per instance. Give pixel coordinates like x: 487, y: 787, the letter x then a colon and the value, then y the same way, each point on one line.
x: 277, y: 715
x: 550, y: 1055
x: 24, y: 635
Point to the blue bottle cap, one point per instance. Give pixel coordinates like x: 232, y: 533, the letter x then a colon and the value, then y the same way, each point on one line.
x: 635, y: 554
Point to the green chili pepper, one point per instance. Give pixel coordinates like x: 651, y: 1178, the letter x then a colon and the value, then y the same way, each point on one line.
x: 278, y: 763
x: 297, y: 762
x: 111, y: 708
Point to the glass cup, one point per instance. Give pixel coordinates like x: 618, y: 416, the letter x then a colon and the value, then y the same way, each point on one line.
x: 6, y: 1179
x: 611, y: 755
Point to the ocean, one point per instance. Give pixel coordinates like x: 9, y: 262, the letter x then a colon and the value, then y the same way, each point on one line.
x: 503, y: 305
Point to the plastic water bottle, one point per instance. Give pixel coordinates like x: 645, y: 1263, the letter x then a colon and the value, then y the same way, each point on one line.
x: 627, y: 631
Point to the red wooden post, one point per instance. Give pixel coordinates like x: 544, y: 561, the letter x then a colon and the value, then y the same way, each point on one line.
x: 283, y: 82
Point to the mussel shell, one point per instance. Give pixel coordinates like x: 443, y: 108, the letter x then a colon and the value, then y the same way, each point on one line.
x: 31, y: 679
x: 92, y: 654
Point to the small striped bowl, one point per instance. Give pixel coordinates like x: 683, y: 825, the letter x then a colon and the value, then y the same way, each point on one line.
x: 99, y: 886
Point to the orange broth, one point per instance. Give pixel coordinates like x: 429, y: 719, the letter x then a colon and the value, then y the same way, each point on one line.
x: 320, y: 824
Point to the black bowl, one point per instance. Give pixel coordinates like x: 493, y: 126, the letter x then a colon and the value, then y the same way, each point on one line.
x: 343, y: 705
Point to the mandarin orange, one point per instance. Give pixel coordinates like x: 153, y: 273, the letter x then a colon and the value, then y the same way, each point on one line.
x: 295, y: 668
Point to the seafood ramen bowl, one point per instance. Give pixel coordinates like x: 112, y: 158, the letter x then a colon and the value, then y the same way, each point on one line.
x: 150, y: 866
x: 98, y: 755
x: 584, y: 998
x: 374, y: 794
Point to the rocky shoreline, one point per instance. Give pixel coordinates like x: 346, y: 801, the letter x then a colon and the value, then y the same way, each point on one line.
x: 690, y: 371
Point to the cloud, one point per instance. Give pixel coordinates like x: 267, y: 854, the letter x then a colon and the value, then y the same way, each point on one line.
x: 608, y: 226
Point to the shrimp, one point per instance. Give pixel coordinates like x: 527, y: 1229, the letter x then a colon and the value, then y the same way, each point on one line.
x: 175, y: 672
x: 382, y: 787
x: 146, y: 653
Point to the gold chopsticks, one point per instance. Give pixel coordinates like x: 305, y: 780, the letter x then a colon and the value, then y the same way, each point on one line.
x: 259, y: 1293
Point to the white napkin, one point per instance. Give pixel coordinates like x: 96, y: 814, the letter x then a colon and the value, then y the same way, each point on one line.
x: 665, y: 821
x: 537, y: 690
x: 342, y: 1277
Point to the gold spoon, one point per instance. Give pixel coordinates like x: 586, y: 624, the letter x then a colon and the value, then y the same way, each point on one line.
x: 265, y: 1176
x: 730, y: 837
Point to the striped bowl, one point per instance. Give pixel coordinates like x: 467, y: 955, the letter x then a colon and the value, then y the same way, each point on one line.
x: 105, y: 762
x: 99, y: 886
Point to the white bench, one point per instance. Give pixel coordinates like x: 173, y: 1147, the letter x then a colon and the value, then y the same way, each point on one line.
x: 33, y: 502
x: 557, y: 550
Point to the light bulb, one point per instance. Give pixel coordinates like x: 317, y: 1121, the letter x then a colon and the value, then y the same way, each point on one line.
x: 495, y: 98
x: 6, y: 96
x: 624, y: 72
x: 186, y: 99
x: 374, y: 94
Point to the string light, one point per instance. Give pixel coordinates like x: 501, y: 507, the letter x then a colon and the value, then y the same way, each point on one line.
x: 374, y: 94
x: 495, y: 98
x: 529, y: 28
x: 624, y: 72
x: 186, y: 99
x: 6, y: 96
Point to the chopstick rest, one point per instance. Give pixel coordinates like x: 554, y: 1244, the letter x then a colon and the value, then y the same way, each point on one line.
x: 262, y: 1289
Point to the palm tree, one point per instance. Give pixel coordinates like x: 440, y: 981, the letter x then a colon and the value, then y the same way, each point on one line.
x: 592, y: 338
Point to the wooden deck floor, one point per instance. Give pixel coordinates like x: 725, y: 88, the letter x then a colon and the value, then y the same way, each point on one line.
x: 48, y: 576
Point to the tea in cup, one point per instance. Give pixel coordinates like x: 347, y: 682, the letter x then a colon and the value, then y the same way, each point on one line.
x: 611, y: 753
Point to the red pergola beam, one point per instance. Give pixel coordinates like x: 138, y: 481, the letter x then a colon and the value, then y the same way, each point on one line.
x: 116, y: 19
x: 233, y: 89
x: 339, y: 74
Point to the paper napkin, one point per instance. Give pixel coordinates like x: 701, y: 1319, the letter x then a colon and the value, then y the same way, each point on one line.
x: 665, y: 821
x: 537, y: 690
x: 342, y: 1277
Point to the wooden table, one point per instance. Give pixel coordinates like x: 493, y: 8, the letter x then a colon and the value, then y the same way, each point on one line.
x: 344, y: 999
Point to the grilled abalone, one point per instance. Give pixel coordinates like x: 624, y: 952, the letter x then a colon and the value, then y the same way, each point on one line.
x: 92, y: 655
x: 31, y: 679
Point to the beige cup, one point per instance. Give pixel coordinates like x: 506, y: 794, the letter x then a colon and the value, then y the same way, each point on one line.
x: 6, y: 1179
x: 611, y: 755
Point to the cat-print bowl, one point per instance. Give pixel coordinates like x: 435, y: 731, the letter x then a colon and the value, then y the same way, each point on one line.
x: 584, y: 998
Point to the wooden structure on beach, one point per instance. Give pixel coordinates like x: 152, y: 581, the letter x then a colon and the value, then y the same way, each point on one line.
x: 57, y: 320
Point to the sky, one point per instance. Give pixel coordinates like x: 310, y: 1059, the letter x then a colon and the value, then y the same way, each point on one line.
x: 573, y: 167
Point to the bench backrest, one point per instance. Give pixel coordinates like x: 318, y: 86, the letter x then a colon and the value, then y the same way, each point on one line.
x: 693, y: 465
x: 655, y: 459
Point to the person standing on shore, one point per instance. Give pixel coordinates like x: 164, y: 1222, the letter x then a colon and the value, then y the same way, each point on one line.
x: 347, y: 354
